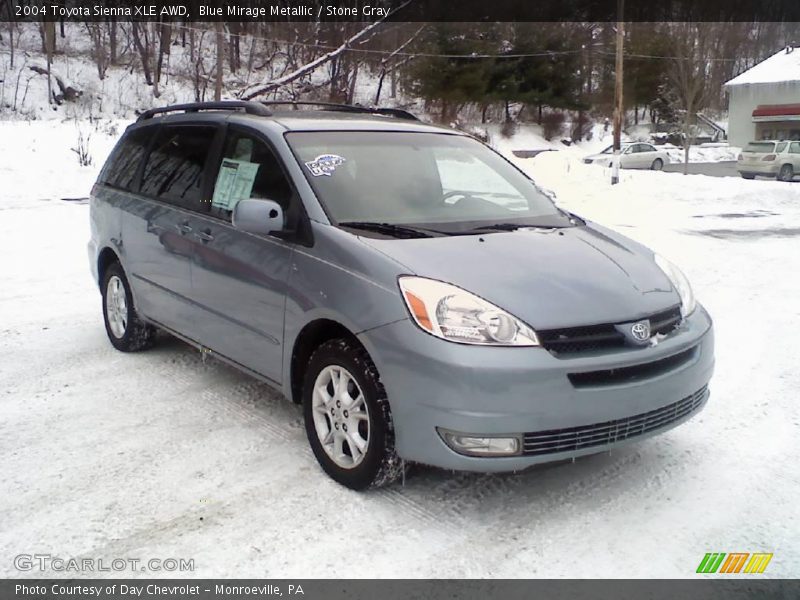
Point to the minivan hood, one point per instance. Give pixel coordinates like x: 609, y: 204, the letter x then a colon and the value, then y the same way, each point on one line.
x: 548, y: 278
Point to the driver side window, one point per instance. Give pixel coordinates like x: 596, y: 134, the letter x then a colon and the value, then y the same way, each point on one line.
x: 248, y: 169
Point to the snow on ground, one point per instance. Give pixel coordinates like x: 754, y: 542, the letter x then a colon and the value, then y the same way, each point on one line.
x: 37, y: 161
x: 703, y: 153
x: 160, y: 454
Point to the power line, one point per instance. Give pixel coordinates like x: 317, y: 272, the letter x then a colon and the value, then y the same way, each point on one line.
x: 632, y: 55
x: 473, y: 55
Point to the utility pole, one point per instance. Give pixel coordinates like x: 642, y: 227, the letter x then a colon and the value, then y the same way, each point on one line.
x: 618, y: 93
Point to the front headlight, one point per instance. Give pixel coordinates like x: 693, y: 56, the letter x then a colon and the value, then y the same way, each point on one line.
x: 678, y: 279
x: 453, y: 314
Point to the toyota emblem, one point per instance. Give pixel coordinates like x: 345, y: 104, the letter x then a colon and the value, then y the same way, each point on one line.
x: 641, y: 331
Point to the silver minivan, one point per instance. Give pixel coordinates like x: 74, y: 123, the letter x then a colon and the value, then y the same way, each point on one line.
x: 419, y: 295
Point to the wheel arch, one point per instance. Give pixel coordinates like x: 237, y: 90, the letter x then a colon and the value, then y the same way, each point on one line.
x: 311, y: 337
x: 106, y: 257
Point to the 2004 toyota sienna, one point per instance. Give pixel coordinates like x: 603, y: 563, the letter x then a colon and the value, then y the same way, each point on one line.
x: 418, y: 294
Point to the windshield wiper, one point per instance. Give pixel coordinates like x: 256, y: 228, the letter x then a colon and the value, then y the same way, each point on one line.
x: 400, y: 231
x: 500, y: 227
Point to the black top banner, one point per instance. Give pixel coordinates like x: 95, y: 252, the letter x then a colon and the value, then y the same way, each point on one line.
x: 401, y: 10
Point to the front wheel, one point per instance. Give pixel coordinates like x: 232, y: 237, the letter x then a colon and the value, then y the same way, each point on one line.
x: 347, y: 417
x: 657, y: 165
x: 786, y: 173
x: 126, y: 331
x: 748, y: 176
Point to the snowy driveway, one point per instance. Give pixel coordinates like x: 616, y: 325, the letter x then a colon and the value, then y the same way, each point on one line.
x: 158, y: 454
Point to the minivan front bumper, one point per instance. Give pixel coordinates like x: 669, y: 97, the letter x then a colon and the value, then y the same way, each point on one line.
x: 557, y: 408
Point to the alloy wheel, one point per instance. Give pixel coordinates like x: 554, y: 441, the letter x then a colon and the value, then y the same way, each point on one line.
x: 341, y: 416
x: 116, y: 307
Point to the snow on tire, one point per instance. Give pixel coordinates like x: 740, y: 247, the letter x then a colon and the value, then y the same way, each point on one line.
x: 347, y: 417
x: 126, y: 331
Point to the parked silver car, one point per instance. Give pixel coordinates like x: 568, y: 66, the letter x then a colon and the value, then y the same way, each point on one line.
x: 421, y: 297
x: 770, y: 159
x: 638, y: 155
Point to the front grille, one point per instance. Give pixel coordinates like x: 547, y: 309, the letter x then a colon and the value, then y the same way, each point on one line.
x: 569, y: 439
x: 590, y: 338
x: 631, y: 373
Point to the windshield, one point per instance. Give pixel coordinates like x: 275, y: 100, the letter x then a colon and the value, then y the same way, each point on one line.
x: 765, y: 147
x: 434, y: 182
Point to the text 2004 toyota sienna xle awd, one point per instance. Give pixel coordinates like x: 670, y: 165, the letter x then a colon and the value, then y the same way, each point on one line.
x: 418, y: 294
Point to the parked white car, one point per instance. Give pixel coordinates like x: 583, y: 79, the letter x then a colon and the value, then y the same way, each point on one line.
x: 638, y: 155
x: 770, y: 159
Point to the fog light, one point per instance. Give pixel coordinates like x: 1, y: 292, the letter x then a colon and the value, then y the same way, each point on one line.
x: 476, y: 445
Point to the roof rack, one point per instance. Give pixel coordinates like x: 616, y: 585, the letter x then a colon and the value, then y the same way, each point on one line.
x: 398, y: 113
x: 260, y: 108
x: 251, y: 108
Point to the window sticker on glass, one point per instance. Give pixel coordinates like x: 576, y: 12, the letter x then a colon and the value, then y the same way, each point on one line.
x: 324, y: 164
x: 234, y: 182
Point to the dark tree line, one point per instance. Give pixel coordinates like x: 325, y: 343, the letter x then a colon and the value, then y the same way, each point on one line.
x: 669, y: 67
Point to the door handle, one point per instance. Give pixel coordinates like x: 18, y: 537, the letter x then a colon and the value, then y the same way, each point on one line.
x: 205, y: 235
x: 183, y: 228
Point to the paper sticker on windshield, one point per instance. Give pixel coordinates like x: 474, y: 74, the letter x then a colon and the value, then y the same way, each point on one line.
x: 324, y: 164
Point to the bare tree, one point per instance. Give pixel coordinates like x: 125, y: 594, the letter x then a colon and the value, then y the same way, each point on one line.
x: 220, y: 52
x: 141, y: 40
x: 164, y: 39
x: 250, y: 92
x: 97, y: 33
x: 388, y: 67
x: 7, y: 12
x: 49, y: 39
x: 688, y: 74
x: 112, y: 41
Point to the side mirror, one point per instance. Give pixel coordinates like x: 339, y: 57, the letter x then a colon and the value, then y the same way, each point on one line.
x: 258, y: 216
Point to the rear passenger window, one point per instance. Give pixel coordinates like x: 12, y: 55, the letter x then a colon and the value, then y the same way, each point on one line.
x: 248, y: 169
x: 795, y: 148
x: 175, y: 166
x: 123, y: 164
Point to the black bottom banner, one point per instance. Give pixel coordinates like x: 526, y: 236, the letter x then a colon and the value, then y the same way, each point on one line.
x: 396, y: 589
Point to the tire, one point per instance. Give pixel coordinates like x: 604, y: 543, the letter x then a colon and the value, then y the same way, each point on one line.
x: 363, y: 456
x: 126, y: 331
x: 786, y: 173
x: 657, y: 165
x: 748, y: 176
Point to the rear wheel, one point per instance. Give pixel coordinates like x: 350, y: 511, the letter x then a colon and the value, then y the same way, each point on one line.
x: 748, y: 176
x: 126, y: 331
x: 786, y: 173
x: 347, y: 417
x: 657, y: 165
